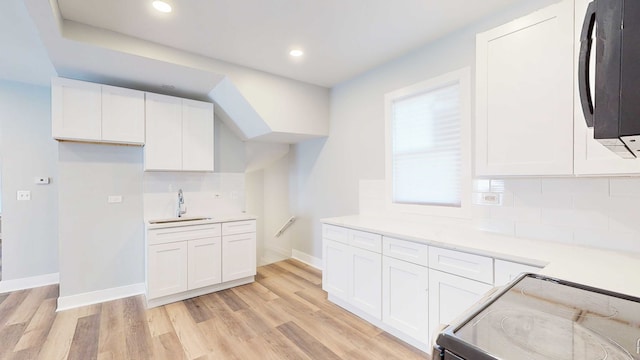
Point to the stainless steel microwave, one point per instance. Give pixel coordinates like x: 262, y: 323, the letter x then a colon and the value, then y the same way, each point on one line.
x: 611, y: 104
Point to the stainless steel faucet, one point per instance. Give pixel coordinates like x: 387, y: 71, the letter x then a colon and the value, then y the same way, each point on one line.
x: 181, y: 208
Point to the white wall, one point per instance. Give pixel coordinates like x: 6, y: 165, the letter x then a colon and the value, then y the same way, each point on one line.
x: 229, y: 150
x: 101, y: 245
x: 268, y: 195
x: 328, y: 172
x: 29, y: 228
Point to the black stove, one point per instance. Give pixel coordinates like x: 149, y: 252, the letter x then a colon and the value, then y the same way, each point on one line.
x: 541, y: 318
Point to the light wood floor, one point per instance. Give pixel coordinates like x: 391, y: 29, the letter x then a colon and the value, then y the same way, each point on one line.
x: 283, y: 315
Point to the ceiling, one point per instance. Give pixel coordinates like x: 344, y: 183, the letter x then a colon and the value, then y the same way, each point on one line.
x: 23, y: 57
x: 341, y: 38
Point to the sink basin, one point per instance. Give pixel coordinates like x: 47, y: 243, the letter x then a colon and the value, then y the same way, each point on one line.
x: 176, y: 220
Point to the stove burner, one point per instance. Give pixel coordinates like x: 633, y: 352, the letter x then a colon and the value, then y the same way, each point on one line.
x: 605, y: 310
x: 544, y: 336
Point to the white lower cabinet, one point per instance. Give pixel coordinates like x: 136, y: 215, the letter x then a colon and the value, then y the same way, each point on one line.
x: 505, y: 271
x: 184, y: 259
x: 449, y: 297
x: 188, y: 261
x: 239, y: 256
x: 336, y: 258
x: 407, y: 288
x: 204, y: 258
x: 366, y: 281
x: 353, y: 274
x: 405, y: 302
x: 166, y: 269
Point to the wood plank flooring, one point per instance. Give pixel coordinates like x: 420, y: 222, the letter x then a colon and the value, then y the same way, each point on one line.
x: 283, y: 315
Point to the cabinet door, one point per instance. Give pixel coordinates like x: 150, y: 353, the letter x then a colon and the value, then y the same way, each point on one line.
x: 197, y: 135
x: 505, y: 271
x: 335, y: 268
x: 524, y: 114
x: 166, y: 269
x: 239, y: 256
x: 75, y: 110
x: 122, y: 115
x: 205, y: 262
x: 366, y: 281
x: 450, y: 296
x: 405, y: 297
x: 591, y: 158
x: 163, y: 124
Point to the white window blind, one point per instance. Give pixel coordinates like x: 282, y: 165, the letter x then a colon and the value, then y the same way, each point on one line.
x: 426, y: 147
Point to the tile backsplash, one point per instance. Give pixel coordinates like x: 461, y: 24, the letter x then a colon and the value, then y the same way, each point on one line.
x: 205, y: 194
x: 595, y: 212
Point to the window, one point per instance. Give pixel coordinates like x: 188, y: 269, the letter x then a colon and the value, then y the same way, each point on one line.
x: 428, y: 145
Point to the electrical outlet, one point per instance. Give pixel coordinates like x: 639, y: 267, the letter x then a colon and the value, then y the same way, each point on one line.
x: 41, y: 180
x: 112, y: 199
x: 24, y: 195
x: 487, y: 198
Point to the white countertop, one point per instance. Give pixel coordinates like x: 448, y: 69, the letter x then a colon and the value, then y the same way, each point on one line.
x: 610, y: 270
x: 210, y: 220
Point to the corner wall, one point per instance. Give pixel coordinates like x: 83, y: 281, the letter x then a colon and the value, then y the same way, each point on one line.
x: 29, y: 228
x: 328, y: 172
x: 101, y: 243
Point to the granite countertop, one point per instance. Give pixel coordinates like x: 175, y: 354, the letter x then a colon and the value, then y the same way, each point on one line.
x: 208, y: 220
x: 606, y: 269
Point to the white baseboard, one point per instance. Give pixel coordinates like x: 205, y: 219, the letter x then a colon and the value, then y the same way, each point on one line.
x: 95, y: 297
x: 307, y: 259
x: 273, y: 254
x: 198, y: 292
x: 29, y: 282
x: 422, y: 344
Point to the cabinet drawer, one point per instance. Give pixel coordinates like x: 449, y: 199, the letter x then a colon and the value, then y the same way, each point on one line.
x: 163, y: 236
x: 405, y: 250
x: 505, y: 271
x: 238, y: 227
x: 335, y: 233
x: 365, y: 240
x: 467, y: 265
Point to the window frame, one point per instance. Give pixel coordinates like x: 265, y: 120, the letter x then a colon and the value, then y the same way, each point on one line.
x: 463, y: 78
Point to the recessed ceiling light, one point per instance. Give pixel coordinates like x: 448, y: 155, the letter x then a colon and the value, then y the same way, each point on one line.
x: 162, y: 6
x: 296, y: 52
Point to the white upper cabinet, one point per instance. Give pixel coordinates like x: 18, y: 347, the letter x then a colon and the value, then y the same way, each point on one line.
x: 163, y: 147
x: 179, y: 134
x: 84, y: 111
x: 122, y: 115
x: 524, y: 113
x: 591, y: 158
x: 76, y: 110
x: 197, y: 135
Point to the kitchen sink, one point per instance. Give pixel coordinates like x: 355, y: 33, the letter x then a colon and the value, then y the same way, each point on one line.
x: 175, y: 220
